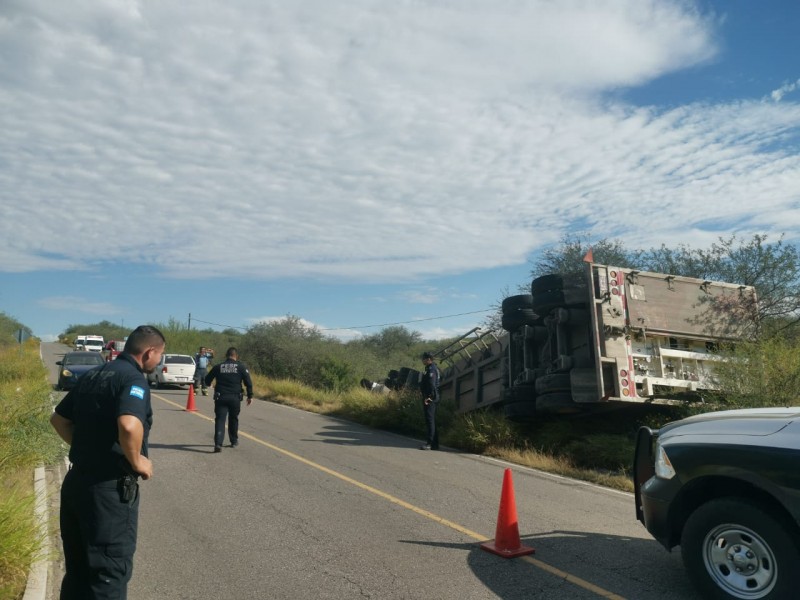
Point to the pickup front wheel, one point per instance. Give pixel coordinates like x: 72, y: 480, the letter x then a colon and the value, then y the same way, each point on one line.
x: 733, y: 549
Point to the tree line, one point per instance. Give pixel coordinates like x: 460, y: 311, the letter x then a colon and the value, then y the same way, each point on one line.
x: 290, y: 349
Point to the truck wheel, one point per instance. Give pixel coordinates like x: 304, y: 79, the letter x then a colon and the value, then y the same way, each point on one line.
x: 733, y: 549
x: 559, y: 403
x: 547, y: 283
x: 514, y: 320
x: 554, y: 382
x: 513, y: 303
x: 519, y: 404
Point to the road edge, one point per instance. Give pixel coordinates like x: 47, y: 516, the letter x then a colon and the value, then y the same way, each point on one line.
x: 36, y: 588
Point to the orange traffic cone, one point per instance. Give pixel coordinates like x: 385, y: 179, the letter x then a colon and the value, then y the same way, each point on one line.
x: 190, y: 400
x: 506, y: 539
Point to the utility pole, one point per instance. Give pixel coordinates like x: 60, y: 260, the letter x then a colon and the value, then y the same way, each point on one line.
x: 190, y: 321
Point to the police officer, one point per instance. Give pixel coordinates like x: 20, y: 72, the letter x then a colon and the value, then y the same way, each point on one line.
x: 106, y: 419
x: 429, y: 387
x: 230, y: 375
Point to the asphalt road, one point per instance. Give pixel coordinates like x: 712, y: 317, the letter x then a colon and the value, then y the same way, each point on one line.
x: 314, y: 507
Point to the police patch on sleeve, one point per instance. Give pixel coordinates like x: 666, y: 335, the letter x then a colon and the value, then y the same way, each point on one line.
x: 137, y: 391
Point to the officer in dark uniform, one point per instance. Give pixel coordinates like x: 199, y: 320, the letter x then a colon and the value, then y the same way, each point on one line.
x: 230, y: 375
x: 106, y: 419
x: 429, y: 387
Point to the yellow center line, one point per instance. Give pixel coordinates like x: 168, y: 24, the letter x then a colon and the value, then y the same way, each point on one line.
x: 415, y: 509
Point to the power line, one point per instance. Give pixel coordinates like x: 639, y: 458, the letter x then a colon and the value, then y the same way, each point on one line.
x: 474, y: 312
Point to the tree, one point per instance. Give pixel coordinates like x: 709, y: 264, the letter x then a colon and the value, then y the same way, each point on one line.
x: 567, y: 257
x: 773, y: 269
x: 285, y: 348
x: 392, y: 341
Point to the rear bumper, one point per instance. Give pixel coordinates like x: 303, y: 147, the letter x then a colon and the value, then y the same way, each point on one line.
x: 175, y: 379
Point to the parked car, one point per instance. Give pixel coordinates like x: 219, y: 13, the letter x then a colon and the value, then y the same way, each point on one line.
x: 113, y: 348
x: 174, y: 369
x: 725, y: 487
x: 75, y: 364
x: 79, y: 342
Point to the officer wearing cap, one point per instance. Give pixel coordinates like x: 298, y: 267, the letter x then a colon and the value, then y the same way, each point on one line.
x: 106, y: 419
x: 230, y: 375
x: 429, y: 387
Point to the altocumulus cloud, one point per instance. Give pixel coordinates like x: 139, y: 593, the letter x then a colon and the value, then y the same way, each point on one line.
x: 313, y: 138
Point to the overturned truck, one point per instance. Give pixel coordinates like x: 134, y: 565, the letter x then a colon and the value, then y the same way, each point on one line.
x: 614, y: 336
x: 617, y: 335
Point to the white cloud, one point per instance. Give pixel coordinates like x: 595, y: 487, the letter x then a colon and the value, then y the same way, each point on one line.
x: 777, y: 95
x: 365, y: 142
x: 79, y: 304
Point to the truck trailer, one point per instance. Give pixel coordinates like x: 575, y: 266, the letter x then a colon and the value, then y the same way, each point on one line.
x: 611, y: 337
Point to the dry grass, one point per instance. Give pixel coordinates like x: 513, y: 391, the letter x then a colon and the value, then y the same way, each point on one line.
x: 560, y: 466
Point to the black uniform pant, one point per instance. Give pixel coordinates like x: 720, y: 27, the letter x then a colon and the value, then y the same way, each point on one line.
x: 227, y: 407
x: 429, y: 410
x: 98, y: 530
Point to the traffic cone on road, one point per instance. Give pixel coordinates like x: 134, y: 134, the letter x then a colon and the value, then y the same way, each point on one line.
x: 506, y: 538
x: 190, y: 400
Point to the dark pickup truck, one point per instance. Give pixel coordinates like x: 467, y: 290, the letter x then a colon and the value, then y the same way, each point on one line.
x: 725, y: 486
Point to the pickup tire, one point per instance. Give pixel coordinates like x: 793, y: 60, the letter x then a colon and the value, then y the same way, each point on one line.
x: 727, y: 534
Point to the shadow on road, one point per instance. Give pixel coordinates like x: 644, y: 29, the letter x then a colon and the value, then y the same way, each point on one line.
x: 351, y: 434
x: 632, y: 568
x: 201, y: 448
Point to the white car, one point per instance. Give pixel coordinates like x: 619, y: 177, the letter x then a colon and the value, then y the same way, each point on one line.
x: 79, y: 342
x: 174, y: 369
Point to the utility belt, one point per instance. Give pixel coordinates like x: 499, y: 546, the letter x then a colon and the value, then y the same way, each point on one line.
x: 126, y: 483
x: 228, y: 396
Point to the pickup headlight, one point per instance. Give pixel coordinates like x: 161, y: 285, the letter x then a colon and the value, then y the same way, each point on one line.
x: 664, y: 468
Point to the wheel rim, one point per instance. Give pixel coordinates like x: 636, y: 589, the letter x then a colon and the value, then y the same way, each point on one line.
x: 740, y: 561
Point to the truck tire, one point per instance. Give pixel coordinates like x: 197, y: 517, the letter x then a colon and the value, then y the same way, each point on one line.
x: 547, y: 283
x: 519, y: 404
x: 568, y: 297
x: 554, y: 382
x: 412, y: 379
x: 514, y: 320
x: 402, y: 377
x: 558, y: 403
x: 513, y: 303
x: 729, y: 532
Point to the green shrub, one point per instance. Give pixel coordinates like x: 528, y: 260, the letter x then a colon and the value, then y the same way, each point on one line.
x: 26, y: 441
x: 20, y: 541
x: 476, y: 431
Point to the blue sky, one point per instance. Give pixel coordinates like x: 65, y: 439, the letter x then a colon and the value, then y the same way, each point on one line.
x: 359, y: 163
